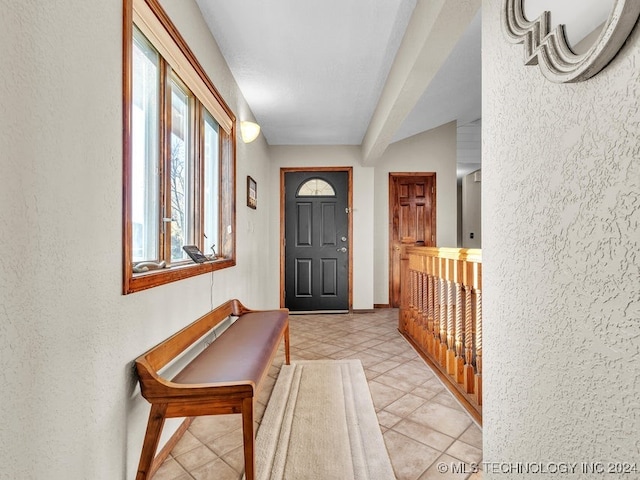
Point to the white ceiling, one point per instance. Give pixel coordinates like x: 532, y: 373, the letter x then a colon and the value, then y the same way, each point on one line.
x: 314, y: 72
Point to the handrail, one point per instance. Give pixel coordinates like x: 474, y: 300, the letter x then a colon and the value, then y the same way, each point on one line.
x: 441, y: 315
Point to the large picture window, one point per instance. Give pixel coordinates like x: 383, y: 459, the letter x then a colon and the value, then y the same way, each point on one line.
x: 179, y: 156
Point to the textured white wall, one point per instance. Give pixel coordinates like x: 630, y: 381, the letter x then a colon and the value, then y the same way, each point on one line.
x: 431, y: 151
x: 561, y: 211
x: 69, y: 408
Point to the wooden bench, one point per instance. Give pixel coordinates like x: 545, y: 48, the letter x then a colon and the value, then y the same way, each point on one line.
x: 222, y: 379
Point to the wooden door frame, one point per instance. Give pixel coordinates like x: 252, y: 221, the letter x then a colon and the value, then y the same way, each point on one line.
x: 349, y: 170
x: 392, y: 196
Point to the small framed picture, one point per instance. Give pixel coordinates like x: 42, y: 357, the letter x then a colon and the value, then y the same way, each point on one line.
x: 252, y: 193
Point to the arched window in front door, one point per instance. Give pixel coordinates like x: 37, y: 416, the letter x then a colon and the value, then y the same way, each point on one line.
x: 316, y: 187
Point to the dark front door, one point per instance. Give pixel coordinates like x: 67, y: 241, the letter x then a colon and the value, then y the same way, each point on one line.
x: 316, y: 242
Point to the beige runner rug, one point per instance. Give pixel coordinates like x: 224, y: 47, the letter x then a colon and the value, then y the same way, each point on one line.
x: 320, y: 424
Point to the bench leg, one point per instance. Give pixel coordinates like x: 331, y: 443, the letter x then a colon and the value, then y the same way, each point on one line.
x: 287, y: 356
x: 248, y: 438
x: 151, y: 439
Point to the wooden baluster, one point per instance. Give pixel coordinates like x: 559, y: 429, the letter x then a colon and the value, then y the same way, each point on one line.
x: 413, y: 288
x: 420, y: 296
x: 451, y: 329
x: 416, y: 305
x: 429, y: 339
x: 459, y: 362
x: 412, y: 306
x: 468, y: 341
x: 442, y: 354
x: 478, y: 377
x: 428, y: 297
x: 436, y: 318
x: 424, y: 313
x: 418, y: 330
x: 405, y: 292
x: 409, y: 306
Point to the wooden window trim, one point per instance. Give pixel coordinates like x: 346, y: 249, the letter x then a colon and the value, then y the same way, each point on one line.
x: 142, y: 281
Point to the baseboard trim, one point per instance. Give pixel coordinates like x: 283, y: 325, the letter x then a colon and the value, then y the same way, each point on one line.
x: 166, y: 450
x: 381, y: 305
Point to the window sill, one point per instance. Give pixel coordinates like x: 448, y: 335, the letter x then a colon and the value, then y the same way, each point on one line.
x: 135, y: 282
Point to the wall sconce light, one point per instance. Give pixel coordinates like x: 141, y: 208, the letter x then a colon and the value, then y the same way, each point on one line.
x: 249, y: 131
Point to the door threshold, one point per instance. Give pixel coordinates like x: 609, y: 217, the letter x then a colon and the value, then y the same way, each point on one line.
x: 314, y: 312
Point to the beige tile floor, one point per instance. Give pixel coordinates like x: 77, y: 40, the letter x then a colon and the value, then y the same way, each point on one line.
x: 422, y: 423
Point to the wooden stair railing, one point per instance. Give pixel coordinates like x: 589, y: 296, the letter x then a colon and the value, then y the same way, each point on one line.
x: 441, y: 316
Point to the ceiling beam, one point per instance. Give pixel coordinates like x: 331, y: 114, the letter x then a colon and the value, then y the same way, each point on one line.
x: 433, y: 31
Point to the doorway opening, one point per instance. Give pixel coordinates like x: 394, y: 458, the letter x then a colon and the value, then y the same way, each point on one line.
x: 412, y: 220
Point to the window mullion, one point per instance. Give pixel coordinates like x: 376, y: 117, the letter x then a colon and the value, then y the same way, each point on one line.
x: 180, y: 166
x: 210, y: 184
x: 198, y: 182
x: 165, y: 163
x: 193, y: 152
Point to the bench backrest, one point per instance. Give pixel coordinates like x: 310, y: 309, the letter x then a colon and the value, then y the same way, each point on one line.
x: 163, y: 353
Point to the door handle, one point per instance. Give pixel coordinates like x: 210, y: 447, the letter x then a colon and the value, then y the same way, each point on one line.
x: 343, y: 249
